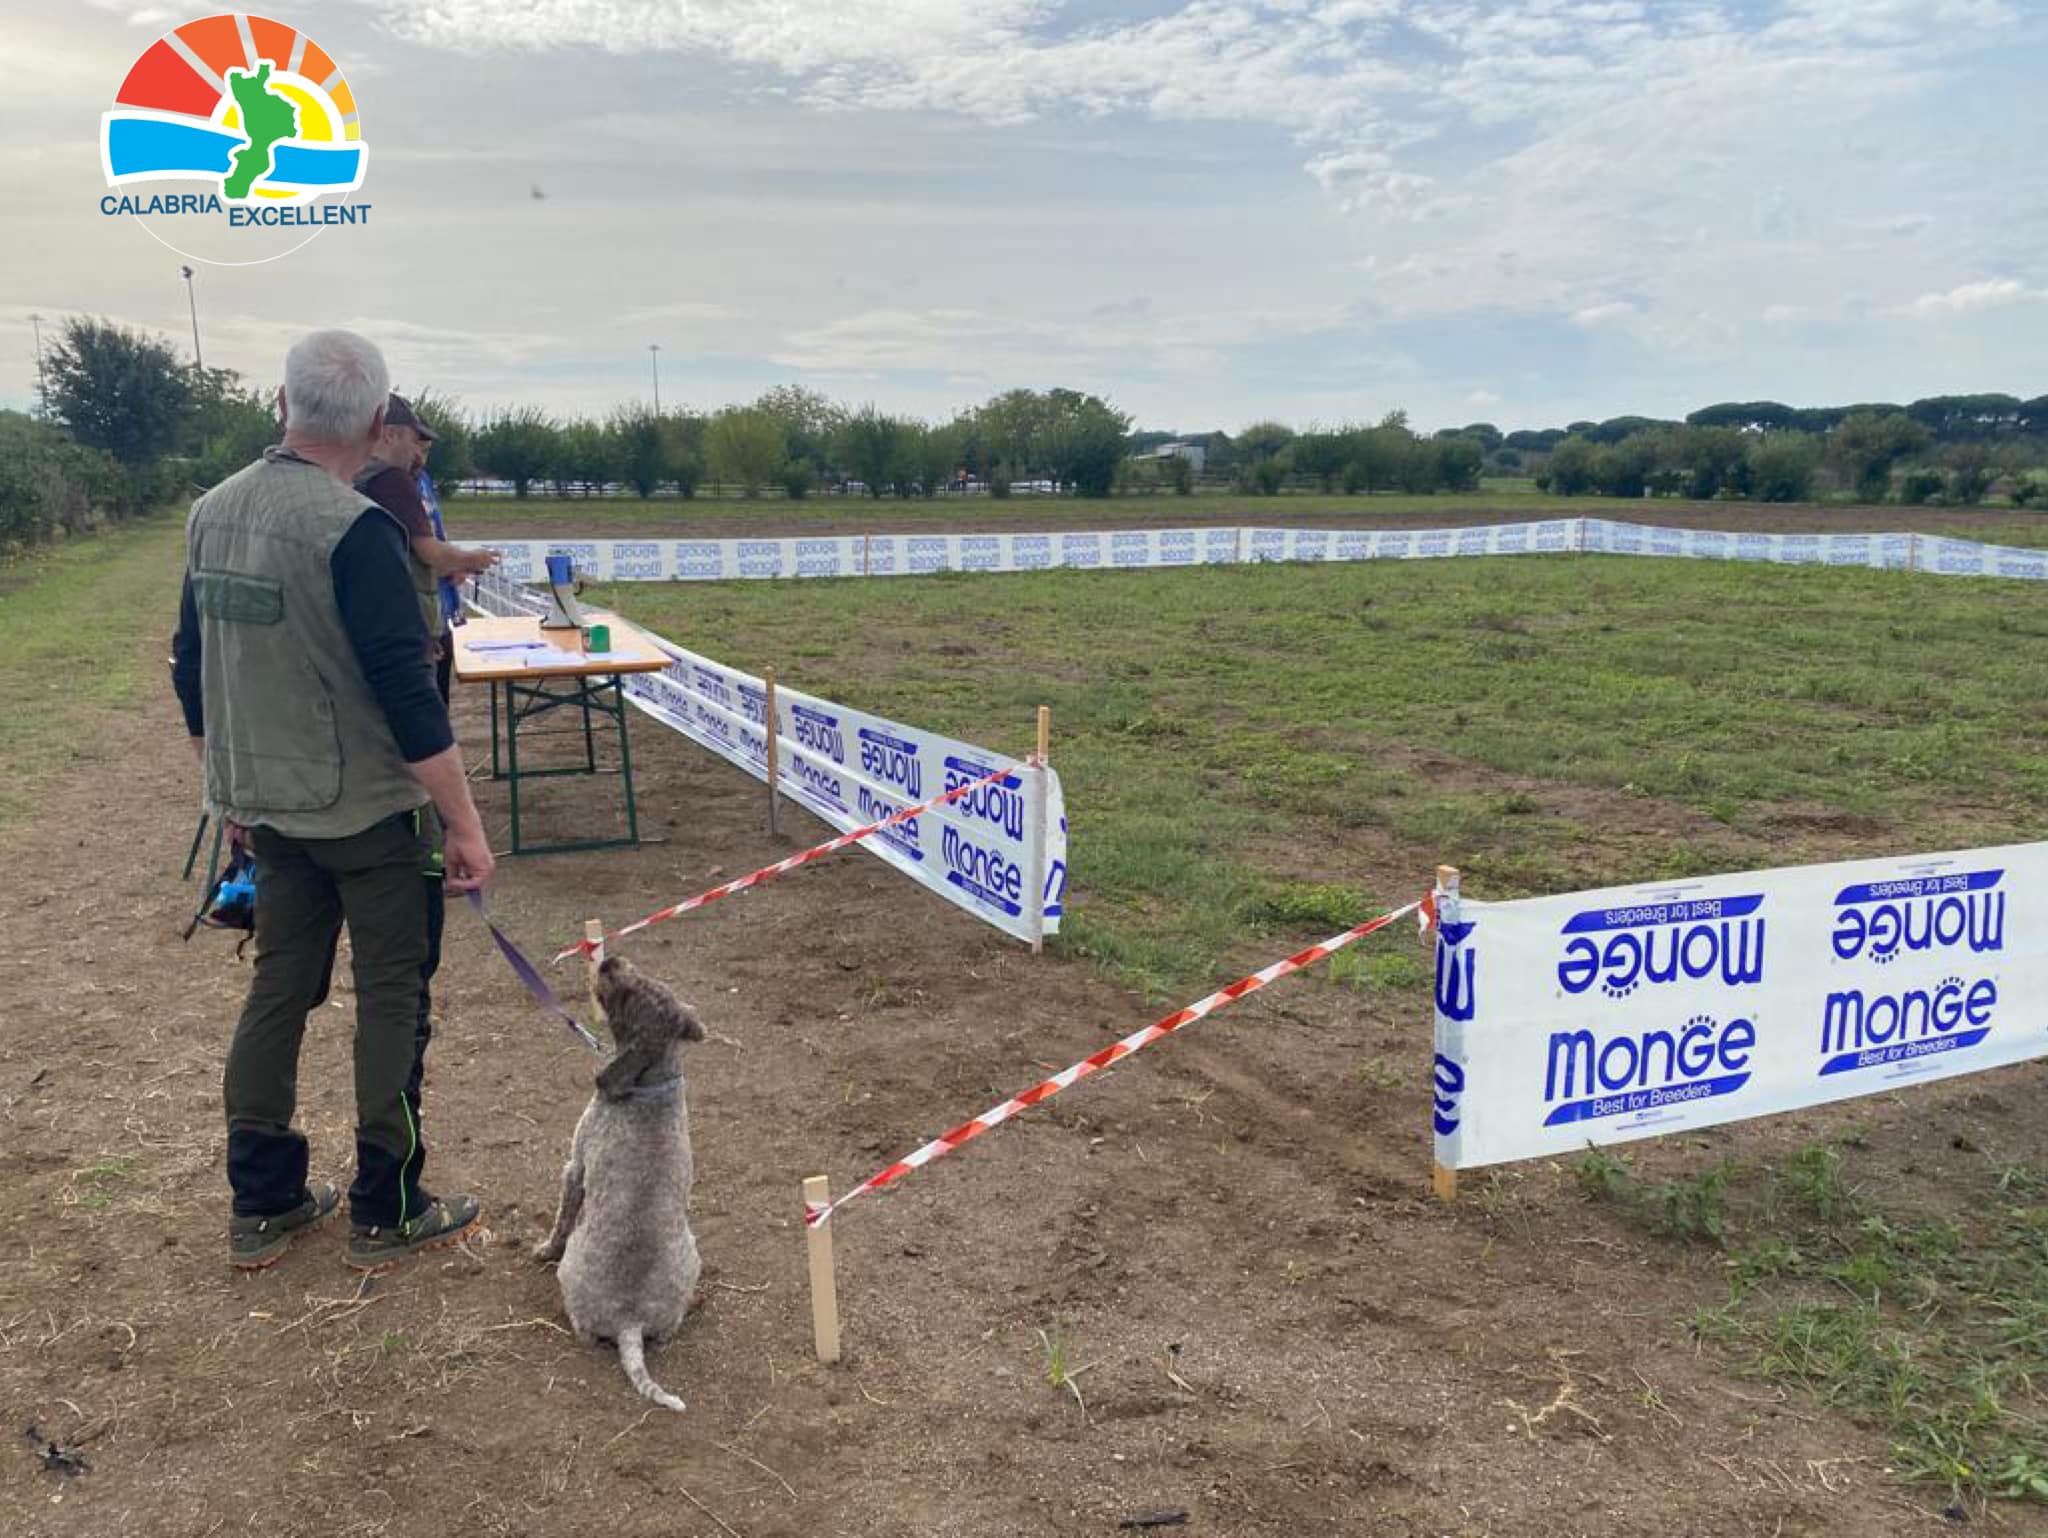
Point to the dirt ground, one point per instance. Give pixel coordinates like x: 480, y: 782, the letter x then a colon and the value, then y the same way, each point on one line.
x: 1272, y: 1327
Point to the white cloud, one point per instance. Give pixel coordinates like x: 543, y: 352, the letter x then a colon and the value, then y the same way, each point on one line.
x: 1971, y: 298
x: 1365, y: 179
x: 994, y: 345
x: 1223, y: 209
x: 1484, y: 398
x: 681, y: 310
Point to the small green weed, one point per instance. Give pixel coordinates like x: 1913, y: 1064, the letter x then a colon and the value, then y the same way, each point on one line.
x: 95, y: 1186
x: 1378, y: 971
x: 1810, y: 1181
x: 1060, y: 1372
x: 1607, y: 1176
x: 1313, y: 905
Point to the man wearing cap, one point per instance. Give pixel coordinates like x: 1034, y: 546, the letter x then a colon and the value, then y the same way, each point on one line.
x: 391, y: 480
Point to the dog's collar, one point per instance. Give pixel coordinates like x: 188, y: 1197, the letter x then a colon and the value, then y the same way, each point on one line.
x: 654, y: 1089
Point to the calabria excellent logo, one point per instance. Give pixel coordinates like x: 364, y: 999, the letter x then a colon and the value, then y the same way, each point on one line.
x: 251, y: 113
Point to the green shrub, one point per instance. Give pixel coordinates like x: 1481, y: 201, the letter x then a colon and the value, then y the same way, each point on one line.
x: 49, y: 484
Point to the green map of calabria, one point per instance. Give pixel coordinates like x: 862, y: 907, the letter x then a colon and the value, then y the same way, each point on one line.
x: 266, y: 118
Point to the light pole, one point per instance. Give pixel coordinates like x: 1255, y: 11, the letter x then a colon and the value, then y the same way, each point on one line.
x: 193, y: 303
x: 654, y: 361
x: 42, y: 380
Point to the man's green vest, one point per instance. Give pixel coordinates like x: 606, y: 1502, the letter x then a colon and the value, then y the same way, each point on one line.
x: 294, y: 739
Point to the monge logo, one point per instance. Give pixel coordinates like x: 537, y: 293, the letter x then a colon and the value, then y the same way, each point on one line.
x: 1859, y: 1030
x: 1636, y: 1073
x: 1000, y: 802
x: 819, y: 731
x: 890, y: 760
x: 256, y: 121
x: 982, y: 871
x: 903, y: 837
x: 1920, y: 913
x: 1688, y: 940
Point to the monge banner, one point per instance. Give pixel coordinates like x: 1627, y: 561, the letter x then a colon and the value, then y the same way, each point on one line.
x: 1601, y: 1017
x: 928, y: 554
x: 850, y: 768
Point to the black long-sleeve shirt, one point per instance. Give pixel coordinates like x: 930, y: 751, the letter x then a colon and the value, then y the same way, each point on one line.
x: 380, y: 610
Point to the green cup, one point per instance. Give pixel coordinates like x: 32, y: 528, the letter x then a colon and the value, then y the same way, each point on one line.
x: 598, y: 638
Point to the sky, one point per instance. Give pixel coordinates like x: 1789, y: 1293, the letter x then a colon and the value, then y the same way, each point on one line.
x: 1517, y: 211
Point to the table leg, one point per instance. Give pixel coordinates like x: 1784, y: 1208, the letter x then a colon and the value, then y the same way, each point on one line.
x: 512, y: 753
x: 583, y: 695
x: 496, y: 772
x: 625, y: 759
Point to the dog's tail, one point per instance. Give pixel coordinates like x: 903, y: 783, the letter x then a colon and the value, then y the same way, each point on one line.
x: 633, y: 1357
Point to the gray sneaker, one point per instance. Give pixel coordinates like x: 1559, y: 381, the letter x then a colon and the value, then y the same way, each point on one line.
x: 254, y: 1243
x: 446, y: 1220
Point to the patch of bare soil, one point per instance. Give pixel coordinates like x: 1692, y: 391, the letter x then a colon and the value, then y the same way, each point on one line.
x: 1269, y: 1324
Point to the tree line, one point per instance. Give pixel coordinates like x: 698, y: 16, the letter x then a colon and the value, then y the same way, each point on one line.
x: 124, y: 425
x: 791, y: 441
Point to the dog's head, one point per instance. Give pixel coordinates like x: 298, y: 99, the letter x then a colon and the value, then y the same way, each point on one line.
x: 646, y: 1019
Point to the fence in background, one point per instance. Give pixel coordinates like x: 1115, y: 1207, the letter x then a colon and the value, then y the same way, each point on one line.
x: 893, y: 555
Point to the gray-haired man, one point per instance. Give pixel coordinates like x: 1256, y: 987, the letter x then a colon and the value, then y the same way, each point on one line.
x: 302, y: 665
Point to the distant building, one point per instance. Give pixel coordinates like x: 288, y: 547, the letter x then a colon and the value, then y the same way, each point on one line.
x: 1193, y: 453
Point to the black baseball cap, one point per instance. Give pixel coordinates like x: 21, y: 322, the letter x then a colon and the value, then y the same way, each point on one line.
x: 398, y: 412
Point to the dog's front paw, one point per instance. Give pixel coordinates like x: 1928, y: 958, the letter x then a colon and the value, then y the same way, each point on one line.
x: 547, y: 1250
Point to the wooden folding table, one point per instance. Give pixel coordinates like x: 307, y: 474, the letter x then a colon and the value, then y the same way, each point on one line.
x: 541, y: 671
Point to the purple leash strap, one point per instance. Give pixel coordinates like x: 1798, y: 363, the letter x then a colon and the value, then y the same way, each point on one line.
x: 530, y: 975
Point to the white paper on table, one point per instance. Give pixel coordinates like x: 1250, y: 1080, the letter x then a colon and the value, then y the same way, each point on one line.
x: 544, y: 656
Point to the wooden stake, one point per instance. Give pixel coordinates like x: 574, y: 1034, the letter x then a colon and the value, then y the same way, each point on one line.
x: 824, y: 1285
x: 774, y: 755
x: 1444, y: 1179
x: 866, y: 540
x: 1041, y: 800
x: 593, y: 958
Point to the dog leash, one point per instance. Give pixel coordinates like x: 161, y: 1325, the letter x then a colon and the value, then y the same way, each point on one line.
x: 530, y: 975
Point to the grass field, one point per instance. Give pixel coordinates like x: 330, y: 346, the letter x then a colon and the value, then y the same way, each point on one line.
x: 1257, y: 753
x: 1201, y: 717
x: 70, y: 621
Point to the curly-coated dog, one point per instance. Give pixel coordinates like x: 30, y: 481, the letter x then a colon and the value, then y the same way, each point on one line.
x: 629, y: 1262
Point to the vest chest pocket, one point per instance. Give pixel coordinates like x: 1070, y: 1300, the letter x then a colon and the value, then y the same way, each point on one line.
x: 230, y: 596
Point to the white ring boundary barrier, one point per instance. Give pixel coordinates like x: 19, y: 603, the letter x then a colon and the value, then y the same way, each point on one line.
x: 890, y: 555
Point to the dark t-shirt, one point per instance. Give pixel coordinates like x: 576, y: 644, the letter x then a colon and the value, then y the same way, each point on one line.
x: 394, y: 491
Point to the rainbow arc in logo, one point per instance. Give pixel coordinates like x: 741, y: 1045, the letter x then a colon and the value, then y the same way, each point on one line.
x: 251, y: 103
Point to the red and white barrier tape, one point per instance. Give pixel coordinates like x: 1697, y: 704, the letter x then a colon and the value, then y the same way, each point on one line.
x: 967, y: 1132
x: 769, y: 872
